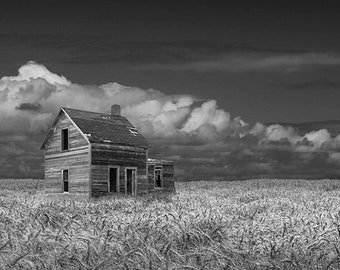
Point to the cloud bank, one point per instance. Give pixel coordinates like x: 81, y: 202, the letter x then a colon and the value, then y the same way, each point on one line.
x: 256, y: 61
x: 203, y: 139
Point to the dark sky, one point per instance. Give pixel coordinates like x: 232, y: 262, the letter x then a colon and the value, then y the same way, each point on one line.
x: 265, y: 61
x: 211, y: 61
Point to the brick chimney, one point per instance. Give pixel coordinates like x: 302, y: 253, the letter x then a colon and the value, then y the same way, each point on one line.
x: 115, y: 109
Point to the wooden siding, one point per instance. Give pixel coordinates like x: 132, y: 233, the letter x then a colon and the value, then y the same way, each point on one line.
x: 105, y: 155
x: 168, y: 177
x: 151, y: 176
x: 75, y: 159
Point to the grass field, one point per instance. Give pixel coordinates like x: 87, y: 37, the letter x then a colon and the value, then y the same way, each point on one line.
x: 254, y: 224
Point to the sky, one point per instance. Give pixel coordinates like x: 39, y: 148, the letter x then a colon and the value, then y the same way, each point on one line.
x: 205, y: 81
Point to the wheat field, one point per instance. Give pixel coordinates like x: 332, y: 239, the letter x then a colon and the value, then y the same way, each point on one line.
x: 253, y: 224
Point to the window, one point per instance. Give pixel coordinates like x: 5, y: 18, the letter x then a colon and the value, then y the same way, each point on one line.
x: 64, y: 139
x: 65, y: 180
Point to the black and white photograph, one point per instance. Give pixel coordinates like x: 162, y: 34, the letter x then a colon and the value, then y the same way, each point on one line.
x: 165, y: 134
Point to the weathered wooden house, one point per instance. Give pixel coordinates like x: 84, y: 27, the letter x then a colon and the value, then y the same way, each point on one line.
x: 101, y: 154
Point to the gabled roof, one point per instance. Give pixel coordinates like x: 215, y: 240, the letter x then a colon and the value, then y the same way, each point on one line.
x: 105, y: 128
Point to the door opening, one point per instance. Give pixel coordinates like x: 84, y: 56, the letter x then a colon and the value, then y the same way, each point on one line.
x: 158, y: 177
x: 131, y: 186
x: 113, y: 180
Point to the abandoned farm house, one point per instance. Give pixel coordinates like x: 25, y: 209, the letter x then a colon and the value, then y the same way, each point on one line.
x: 101, y: 154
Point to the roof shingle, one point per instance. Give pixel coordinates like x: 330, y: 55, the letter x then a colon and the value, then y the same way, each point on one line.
x: 105, y: 128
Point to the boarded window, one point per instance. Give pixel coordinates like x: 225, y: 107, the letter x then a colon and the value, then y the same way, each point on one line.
x: 64, y: 139
x: 65, y: 180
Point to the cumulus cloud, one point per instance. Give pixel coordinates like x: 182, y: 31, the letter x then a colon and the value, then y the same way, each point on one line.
x: 280, y: 133
x: 33, y: 70
x: 318, y: 138
x: 207, y: 114
x: 310, y: 141
x: 203, y: 139
x: 160, y: 117
x: 31, y: 100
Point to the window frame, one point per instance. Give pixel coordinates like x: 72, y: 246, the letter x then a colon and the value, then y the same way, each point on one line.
x: 65, y: 180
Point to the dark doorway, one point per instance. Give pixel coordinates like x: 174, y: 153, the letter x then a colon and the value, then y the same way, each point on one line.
x: 65, y: 180
x: 113, y: 179
x: 130, y: 181
x: 158, y: 177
